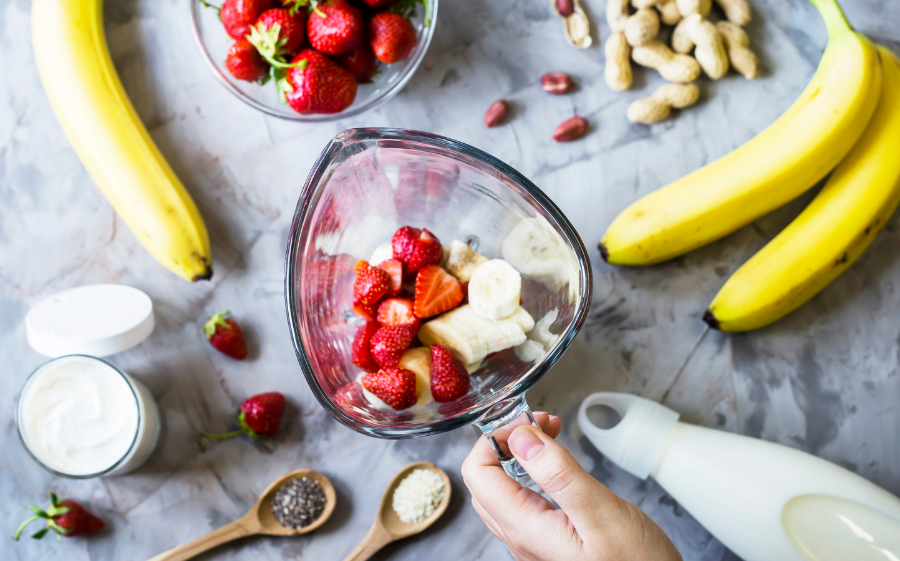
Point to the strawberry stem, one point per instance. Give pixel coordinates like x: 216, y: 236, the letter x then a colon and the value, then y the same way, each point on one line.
x: 18, y: 533
x: 208, y: 5
x: 209, y: 328
x: 226, y: 435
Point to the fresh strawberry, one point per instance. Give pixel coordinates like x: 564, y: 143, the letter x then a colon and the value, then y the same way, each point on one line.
x: 398, y: 311
x: 371, y: 283
x: 279, y: 32
x: 394, y: 268
x: 449, y: 379
x: 390, y: 342
x: 428, y: 251
x: 259, y: 416
x: 404, y: 243
x: 394, y: 386
x: 238, y: 15
x: 361, y: 353
x: 335, y: 27
x: 66, y: 518
x: 436, y: 291
x: 317, y: 84
x: 360, y: 62
x: 225, y: 336
x: 391, y: 36
x: 244, y: 62
x: 368, y: 312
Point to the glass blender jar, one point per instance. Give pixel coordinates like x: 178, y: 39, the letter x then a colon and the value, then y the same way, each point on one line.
x: 365, y: 185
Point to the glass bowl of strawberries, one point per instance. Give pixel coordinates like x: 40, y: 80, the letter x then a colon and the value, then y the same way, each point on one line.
x: 428, y: 285
x: 313, y: 60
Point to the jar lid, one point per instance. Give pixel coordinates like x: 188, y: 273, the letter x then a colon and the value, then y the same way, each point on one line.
x: 97, y: 320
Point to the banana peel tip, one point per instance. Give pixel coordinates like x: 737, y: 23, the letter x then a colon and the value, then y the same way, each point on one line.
x: 711, y: 320
x: 604, y: 253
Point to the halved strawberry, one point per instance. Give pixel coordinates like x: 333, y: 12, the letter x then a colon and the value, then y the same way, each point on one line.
x: 361, y: 353
x: 394, y: 268
x: 370, y: 285
x: 449, y: 379
x: 368, y: 312
x: 394, y: 386
x: 404, y: 243
x: 428, y: 251
x: 436, y: 291
x: 398, y: 311
x: 390, y: 342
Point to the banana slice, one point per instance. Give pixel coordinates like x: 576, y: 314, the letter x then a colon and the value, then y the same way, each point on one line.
x: 472, y: 368
x: 495, y: 289
x: 529, y: 351
x: 521, y: 318
x: 418, y: 361
x: 471, y: 338
x: 461, y: 261
x: 536, y: 250
x: 541, y: 332
x: 381, y: 254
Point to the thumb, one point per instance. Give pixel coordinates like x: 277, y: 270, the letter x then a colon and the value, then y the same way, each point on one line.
x: 588, y: 503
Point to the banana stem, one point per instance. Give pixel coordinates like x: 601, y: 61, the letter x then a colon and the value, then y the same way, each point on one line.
x: 834, y: 17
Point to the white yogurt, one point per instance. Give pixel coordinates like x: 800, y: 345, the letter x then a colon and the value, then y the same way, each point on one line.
x: 79, y: 416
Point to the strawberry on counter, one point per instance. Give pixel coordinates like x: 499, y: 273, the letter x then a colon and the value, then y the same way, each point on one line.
x: 225, y: 336
x: 66, y: 518
x: 260, y: 416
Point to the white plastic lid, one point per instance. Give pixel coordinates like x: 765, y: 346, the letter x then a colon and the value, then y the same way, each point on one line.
x: 97, y: 320
x: 637, y: 442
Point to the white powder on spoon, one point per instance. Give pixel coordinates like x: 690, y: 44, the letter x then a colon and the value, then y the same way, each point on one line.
x: 418, y: 495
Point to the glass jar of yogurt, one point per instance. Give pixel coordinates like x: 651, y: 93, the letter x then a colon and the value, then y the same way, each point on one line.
x: 80, y: 417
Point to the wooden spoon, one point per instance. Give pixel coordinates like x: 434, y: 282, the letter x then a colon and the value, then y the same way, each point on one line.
x: 388, y: 527
x: 258, y: 520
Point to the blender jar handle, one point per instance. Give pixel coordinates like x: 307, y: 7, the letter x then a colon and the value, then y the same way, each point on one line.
x: 507, y: 415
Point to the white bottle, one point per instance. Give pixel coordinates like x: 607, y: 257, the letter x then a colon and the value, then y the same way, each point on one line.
x: 764, y: 501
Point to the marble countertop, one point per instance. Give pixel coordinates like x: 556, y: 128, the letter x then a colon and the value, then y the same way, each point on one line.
x: 824, y: 380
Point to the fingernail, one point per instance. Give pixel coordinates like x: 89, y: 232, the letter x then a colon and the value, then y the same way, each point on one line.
x: 525, y: 444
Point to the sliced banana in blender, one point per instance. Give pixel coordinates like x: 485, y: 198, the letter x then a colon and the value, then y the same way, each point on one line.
x: 418, y: 361
x: 495, y: 289
x: 462, y: 260
x: 381, y: 254
x: 470, y: 337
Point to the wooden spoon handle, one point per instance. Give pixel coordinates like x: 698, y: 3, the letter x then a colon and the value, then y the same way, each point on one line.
x: 237, y: 529
x: 377, y: 538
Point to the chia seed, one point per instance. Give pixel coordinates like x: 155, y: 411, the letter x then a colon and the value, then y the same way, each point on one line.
x: 298, y: 503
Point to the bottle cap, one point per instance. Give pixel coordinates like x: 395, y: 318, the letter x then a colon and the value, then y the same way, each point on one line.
x: 97, y: 320
x: 637, y: 442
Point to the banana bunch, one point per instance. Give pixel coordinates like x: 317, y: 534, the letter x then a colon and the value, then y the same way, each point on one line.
x: 847, y: 120
x: 88, y: 98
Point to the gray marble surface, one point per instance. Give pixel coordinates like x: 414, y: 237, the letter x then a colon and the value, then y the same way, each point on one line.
x: 823, y: 380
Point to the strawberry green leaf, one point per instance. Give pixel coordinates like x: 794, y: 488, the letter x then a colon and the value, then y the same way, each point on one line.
x: 209, y: 328
x: 40, y: 533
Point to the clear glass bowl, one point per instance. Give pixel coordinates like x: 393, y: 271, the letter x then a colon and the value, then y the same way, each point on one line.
x: 365, y: 185
x: 213, y: 43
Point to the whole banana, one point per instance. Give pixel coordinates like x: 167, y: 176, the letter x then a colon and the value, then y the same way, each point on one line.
x: 772, y: 168
x: 88, y: 98
x: 831, y: 233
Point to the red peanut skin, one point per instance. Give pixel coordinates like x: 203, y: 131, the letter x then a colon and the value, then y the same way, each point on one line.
x: 570, y: 129
x: 496, y: 113
x: 556, y: 83
x: 565, y: 7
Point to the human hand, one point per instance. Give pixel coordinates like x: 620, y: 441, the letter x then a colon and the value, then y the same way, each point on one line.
x: 592, y: 523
